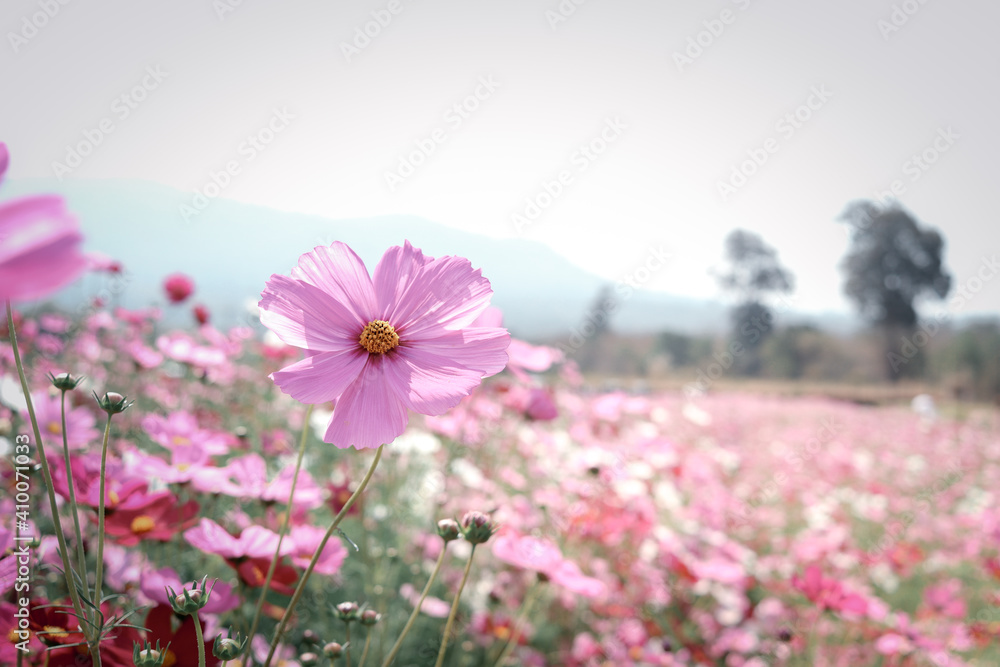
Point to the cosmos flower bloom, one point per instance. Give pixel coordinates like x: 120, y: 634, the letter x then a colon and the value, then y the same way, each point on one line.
x: 381, y: 345
x: 80, y: 429
x: 41, y: 247
x: 178, y: 287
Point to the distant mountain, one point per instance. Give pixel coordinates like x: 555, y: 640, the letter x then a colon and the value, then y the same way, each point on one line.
x: 231, y: 248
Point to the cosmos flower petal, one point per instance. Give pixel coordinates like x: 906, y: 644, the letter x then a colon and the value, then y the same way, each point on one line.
x: 393, y: 276
x: 340, y: 273
x: 432, y: 383
x: 480, y: 349
x: 4, y: 159
x: 369, y: 413
x: 41, y: 248
x: 321, y: 377
x: 444, y: 294
x: 305, y: 316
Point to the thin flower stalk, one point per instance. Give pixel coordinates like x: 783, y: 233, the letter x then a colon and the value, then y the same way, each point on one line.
x: 416, y: 609
x: 283, y: 623
x: 454, y: 610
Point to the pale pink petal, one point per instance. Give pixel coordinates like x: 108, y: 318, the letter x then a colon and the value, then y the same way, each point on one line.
x: 393, y: 276
x: 4, y: 159
x: 445, y: 293
x: 259, y: 542
x: 368, y: 414
x: 305, y: 316
x: 41, y: 248
x: 534, y: 358
x: 213, y: 538
x: 322, y: 377
x: 483, y: 350
x: 340, y: 273
x: 432, y: 383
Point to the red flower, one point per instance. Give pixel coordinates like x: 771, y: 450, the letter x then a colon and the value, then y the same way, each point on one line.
x: 201, y: 314
x: 183, y: 642
x: 156, y: 517
x: 178, y: 287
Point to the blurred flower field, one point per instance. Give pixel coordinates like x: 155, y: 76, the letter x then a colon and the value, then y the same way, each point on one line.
x: 633, y: 530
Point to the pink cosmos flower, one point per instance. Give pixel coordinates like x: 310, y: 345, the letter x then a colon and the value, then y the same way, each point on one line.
x: 178, y: 287
x: 381, y: 345
x: 306, y: 540
x: 41, y: 247
x: 254, y: 542
x: 432, y: 606
x: 80, y: 429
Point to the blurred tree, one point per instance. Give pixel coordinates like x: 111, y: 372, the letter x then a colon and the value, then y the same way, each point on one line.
x: 753, y: 274
x: 892, y: 262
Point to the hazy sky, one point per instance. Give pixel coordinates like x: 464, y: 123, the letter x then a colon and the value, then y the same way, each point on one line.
x: 838, y: 97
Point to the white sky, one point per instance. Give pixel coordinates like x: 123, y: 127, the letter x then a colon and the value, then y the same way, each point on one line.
x: 556, y: 87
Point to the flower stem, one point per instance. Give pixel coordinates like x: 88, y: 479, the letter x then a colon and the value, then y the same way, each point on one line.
x: 281, y: 534
x: 98, y: 583
x: 81, y: 558
x: 416, y: 609
x: 529, y: 602
x: 454, y: 610
x: 201, y: 639
x: 283, y: 623
x: 347, y: 647
x: 364, y: 653
x: 74, y: 596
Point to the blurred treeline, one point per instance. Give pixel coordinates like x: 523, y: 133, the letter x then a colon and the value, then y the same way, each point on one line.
x: 961, y: 361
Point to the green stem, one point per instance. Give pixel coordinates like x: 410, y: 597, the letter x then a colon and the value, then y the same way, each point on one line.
x: 529, y: 602
x: 99, y: 579
x: 74, y: 595
x: 416, y: 609
x: 247, y: 657
x: 201, y: 639
x: 364, y: 653
x: 280, y: 630
x: 80, y: 556
x: 454, y: 610
x: 347, y: 647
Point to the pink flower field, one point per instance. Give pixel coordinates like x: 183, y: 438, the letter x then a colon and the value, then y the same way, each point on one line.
x: 180, y: 497
x: 630, y: 529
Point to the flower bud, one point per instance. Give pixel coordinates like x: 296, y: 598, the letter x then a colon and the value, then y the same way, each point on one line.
x: 347, y: 611
x: 333, y: 650
x: 229, y: 648
x: 65, y: 381
x: 370, y: 617
x: 477, y: 527
x: 147, y: 656
x: 308, y: 660
x: 188, y: 602
x: 448, y: 530
x: 113, y: 402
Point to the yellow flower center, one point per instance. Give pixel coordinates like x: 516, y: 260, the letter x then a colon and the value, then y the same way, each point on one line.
x: 142, y: 524
x: 114, y: 497
x: 181, y: 440
x: 170, y: 659
x: 55, y: 632
x: 55, y: 428
x: 379, y: 337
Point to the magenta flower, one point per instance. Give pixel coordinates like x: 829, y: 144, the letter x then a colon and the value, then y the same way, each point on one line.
x: 381, y: 345
x: 4, y: 160
x: 254, y: 542
x: 178, y: 287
